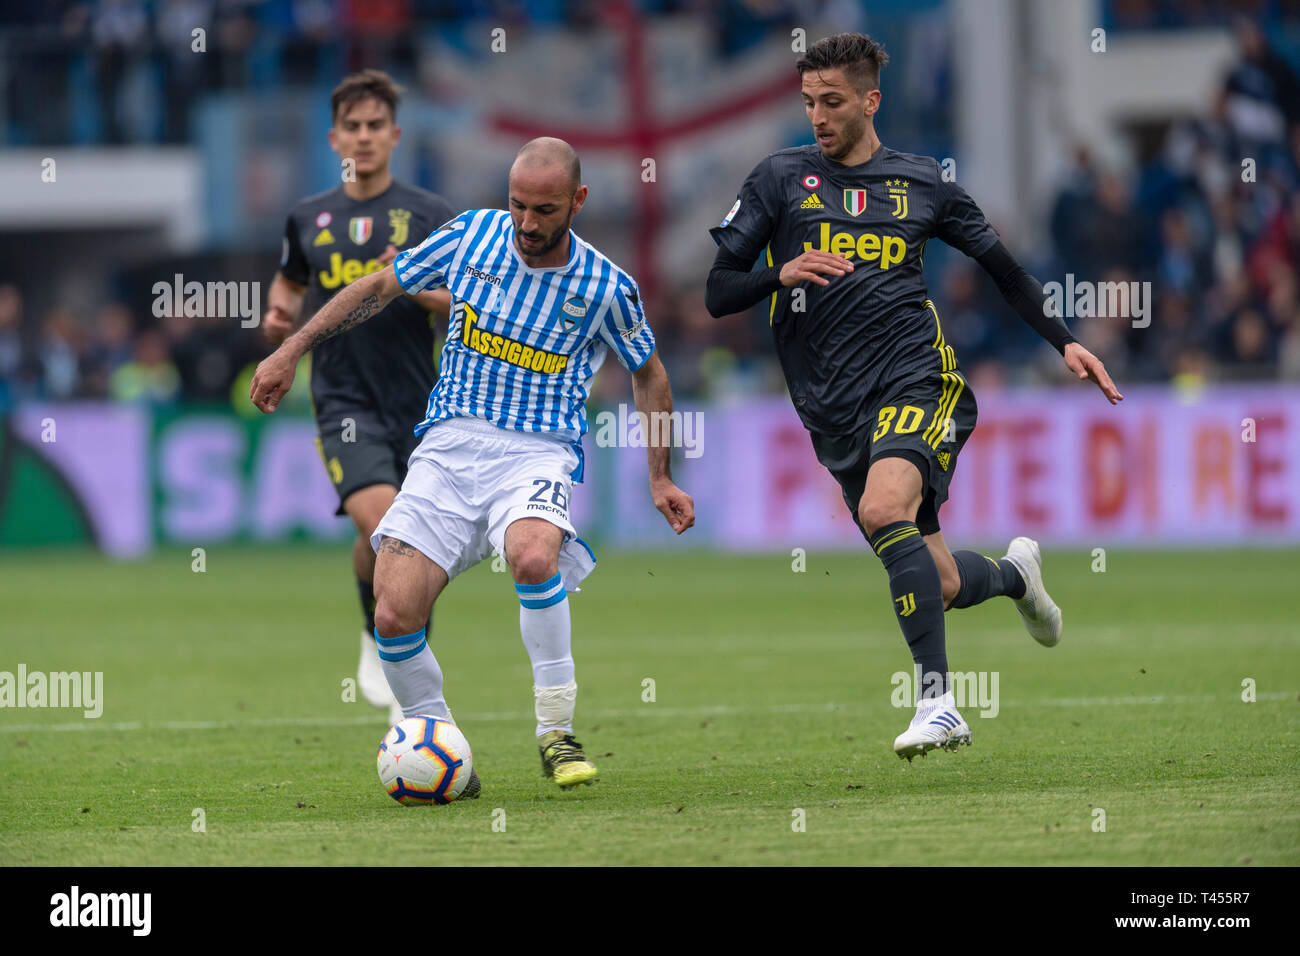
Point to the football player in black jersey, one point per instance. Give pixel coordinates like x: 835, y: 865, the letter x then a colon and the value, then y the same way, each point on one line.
x: 368, y: 391
x: 842, y: 226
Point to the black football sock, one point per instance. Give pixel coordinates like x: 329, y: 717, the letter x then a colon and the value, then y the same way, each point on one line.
x: 983, y: 578
x: 918, y: 600
x: 366, y: 590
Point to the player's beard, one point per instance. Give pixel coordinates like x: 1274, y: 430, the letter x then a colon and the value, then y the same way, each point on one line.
x: 849, y: 137
x: 553, y: 239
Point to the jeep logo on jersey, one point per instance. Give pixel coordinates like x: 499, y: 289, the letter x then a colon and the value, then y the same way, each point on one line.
x: 575, y: 309
x: 507, y: 349
x: 359, y: 229
x: 346, y: 271
x: 869, y: 245
x: 855, y: 200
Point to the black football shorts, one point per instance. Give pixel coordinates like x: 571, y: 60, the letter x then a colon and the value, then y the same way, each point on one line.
x: 359, y: 452
x: 926, y: 422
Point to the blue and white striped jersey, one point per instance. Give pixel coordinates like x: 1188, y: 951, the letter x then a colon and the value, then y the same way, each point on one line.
x: 523, y: 344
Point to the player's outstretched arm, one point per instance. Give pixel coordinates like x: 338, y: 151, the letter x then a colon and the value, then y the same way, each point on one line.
x: 1087, y: 366
x: 1024, y: 294
x: 654, y: 399
x: 356, y: 303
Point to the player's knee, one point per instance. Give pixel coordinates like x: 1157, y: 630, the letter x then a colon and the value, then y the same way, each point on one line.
x: 367, y: 521
x: 533, y: 566
x: 367, y: 508
x: 875, y: 514
x: 393, y: 621
x: 950, y: 582
x: 362, y: 551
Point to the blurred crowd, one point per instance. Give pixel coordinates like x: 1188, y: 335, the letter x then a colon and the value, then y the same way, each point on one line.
x: 119, y: 71
x: 112, y: 354
x: 1211, y: 220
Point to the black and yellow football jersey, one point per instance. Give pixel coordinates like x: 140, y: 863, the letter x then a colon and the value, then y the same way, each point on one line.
x: 384, y: 367
x: 868, y: 335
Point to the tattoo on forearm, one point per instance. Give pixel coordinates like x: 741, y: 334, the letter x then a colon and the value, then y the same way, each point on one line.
x: 364, y: 310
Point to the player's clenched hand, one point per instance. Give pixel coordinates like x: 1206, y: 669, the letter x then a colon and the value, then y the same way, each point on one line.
x: 812, y: 266
x: 389, y: 254
x: 272, y: 379
x: 1087, y: 366
x: 276, y: 324
x: 674, y: 504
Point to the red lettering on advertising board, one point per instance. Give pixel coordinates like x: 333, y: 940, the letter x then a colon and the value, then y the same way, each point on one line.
x: 1028, y: 468
x: 1212, y: 455
x: 1105, y: 485
x: 1264, y: 460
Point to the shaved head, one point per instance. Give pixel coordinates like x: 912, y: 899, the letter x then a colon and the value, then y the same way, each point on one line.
x: 549, y: 152
x: 546, y: 192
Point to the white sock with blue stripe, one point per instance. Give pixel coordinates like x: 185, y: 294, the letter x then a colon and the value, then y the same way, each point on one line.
x: 545, y: 629
x: 413, y: 674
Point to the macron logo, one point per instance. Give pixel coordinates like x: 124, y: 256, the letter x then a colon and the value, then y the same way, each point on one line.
x: 102, y: 909
x: 485, y: 276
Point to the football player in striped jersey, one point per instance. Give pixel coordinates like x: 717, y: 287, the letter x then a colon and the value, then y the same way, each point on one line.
x: 535, y: 311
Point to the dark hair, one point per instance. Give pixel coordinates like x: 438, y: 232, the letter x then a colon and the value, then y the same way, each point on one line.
x: 368, y: 84
x: 860, y: 57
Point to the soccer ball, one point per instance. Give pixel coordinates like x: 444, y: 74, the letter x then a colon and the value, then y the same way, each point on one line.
x: 424, y: 760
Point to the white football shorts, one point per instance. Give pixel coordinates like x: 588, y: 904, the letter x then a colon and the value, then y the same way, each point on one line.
x: 468, y: 480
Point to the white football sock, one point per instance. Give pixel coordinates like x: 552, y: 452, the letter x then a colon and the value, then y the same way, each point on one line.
x: 413, y: 674
x: 554, y: 706
x: 545, y: 628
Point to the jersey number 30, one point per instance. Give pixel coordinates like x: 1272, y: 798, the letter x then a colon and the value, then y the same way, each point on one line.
x: 909, y: 420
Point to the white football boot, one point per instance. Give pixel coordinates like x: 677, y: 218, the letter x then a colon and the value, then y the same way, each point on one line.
x: 936, y: 724
x: 1041, y: 615
x: 372, y: 682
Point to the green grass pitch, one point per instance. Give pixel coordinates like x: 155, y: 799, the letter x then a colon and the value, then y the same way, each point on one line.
x: 223, y: 693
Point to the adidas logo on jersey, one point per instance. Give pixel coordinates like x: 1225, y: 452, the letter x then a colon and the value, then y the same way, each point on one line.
x: 812, y: 202
x: 944, y: 457
x: 323, y: 238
